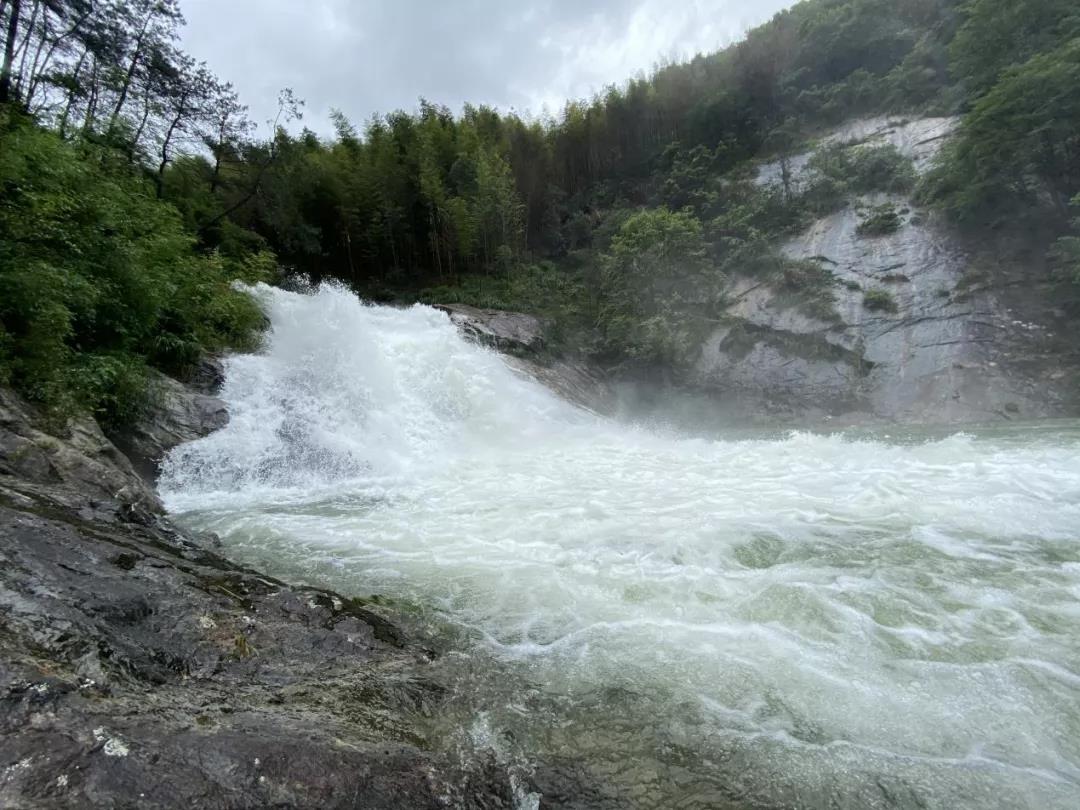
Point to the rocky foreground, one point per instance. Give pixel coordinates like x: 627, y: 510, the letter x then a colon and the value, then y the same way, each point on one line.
x: 139, y: 668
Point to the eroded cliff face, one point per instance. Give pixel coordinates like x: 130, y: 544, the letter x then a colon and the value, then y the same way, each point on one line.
x: 947, y: 344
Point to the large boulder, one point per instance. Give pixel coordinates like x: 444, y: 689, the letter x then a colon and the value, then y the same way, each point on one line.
x: 521, y: 337
x: 177, y: 414
x: 75, y: 456
x: 208, y: 375
x: 575, y: 381
x: 510, y: 332
x: 138, y: 669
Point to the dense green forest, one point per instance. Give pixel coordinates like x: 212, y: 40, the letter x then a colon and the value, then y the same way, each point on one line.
x: 134, y: 188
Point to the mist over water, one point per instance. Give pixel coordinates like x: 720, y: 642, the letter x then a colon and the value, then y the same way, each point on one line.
x: 812, y: 620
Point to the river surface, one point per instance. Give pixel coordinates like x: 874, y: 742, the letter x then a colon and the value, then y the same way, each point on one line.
x: 798, y: 620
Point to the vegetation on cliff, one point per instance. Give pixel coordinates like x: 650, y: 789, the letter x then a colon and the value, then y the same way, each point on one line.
x: 99, y: 280
x: 134, y: 188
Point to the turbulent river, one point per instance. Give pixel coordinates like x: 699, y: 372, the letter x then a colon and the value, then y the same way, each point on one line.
x: 794, y: 620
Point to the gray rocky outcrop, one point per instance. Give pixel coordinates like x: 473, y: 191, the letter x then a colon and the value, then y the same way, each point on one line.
x: 946, y: 344
x: 522, y: 338
x: 176, y: 414
x: 76, y: 457
x: 509, y: 332
x: 948, y: 341
x: 139, y: 668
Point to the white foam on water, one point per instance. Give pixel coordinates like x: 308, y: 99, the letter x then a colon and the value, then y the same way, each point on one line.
x: 818, y: 618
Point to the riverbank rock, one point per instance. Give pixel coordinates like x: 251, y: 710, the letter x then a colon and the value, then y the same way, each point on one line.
x: 75, y: 457
x: 575, y: 381
x: 208, y: 375
x: 138, y: 668
x: 177, y: 413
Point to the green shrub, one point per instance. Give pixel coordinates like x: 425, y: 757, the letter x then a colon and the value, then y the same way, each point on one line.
x: 98, y: 278
x: 1016, y: 149
x: 657, y: 288
x: 880, y: 168
x: 805, y: 275
x: 838, y: 171
x: 538, y: 288
x: 879, y: 301
x: 556, y: 293
x: 880, y: 220
x: 1065, y: 252
x: 808, y: 285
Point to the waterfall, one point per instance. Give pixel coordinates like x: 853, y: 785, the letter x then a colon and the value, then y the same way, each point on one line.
x: 804, y: 619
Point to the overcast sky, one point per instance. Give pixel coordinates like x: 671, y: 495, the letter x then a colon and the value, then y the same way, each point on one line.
x: 368, y: 56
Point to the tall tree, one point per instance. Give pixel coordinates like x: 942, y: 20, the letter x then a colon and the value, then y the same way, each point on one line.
x: 11, y: 34
x: 154, y: 25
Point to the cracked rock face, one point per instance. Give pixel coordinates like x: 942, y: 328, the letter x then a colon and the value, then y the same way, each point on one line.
x: 932, y: 349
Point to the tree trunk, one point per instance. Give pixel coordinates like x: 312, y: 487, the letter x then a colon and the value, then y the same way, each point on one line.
x: 215, y: 175
x: 66, y: 116
x: 250, y: 195
x: 9, y: 51
x: 436, y: 252
x: 40, y: 71
x: 348, y: 251
x: 785, y: 177
x: 159, y: 180
x: 393, y: 241
x: 134, y: 147
x: 219, y: 150
x: 30, y: 76
x: 92, y: 99
x: 129, y: 75
x: 25, y: 48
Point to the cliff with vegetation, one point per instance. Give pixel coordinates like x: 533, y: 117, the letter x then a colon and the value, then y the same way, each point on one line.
x: 638, y: 224
x: 865, y: 210
x: 907, y: 324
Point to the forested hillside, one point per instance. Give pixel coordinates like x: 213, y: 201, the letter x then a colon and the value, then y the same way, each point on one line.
x: 622, y: 217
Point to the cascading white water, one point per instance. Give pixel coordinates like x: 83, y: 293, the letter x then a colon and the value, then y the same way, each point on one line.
x: 814, y: 620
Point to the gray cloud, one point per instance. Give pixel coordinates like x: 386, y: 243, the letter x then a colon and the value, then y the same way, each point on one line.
x: 369, y: 56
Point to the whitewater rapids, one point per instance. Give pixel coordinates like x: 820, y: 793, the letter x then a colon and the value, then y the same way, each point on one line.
x: 812, y: 620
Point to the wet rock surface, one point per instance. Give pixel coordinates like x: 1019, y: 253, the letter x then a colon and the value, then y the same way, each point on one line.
x: 139, y: 668
x: 521, y: 338
x: 178, y: 413
x: 510, y: 332
x: 76, y: 458
x: 574, y: 380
